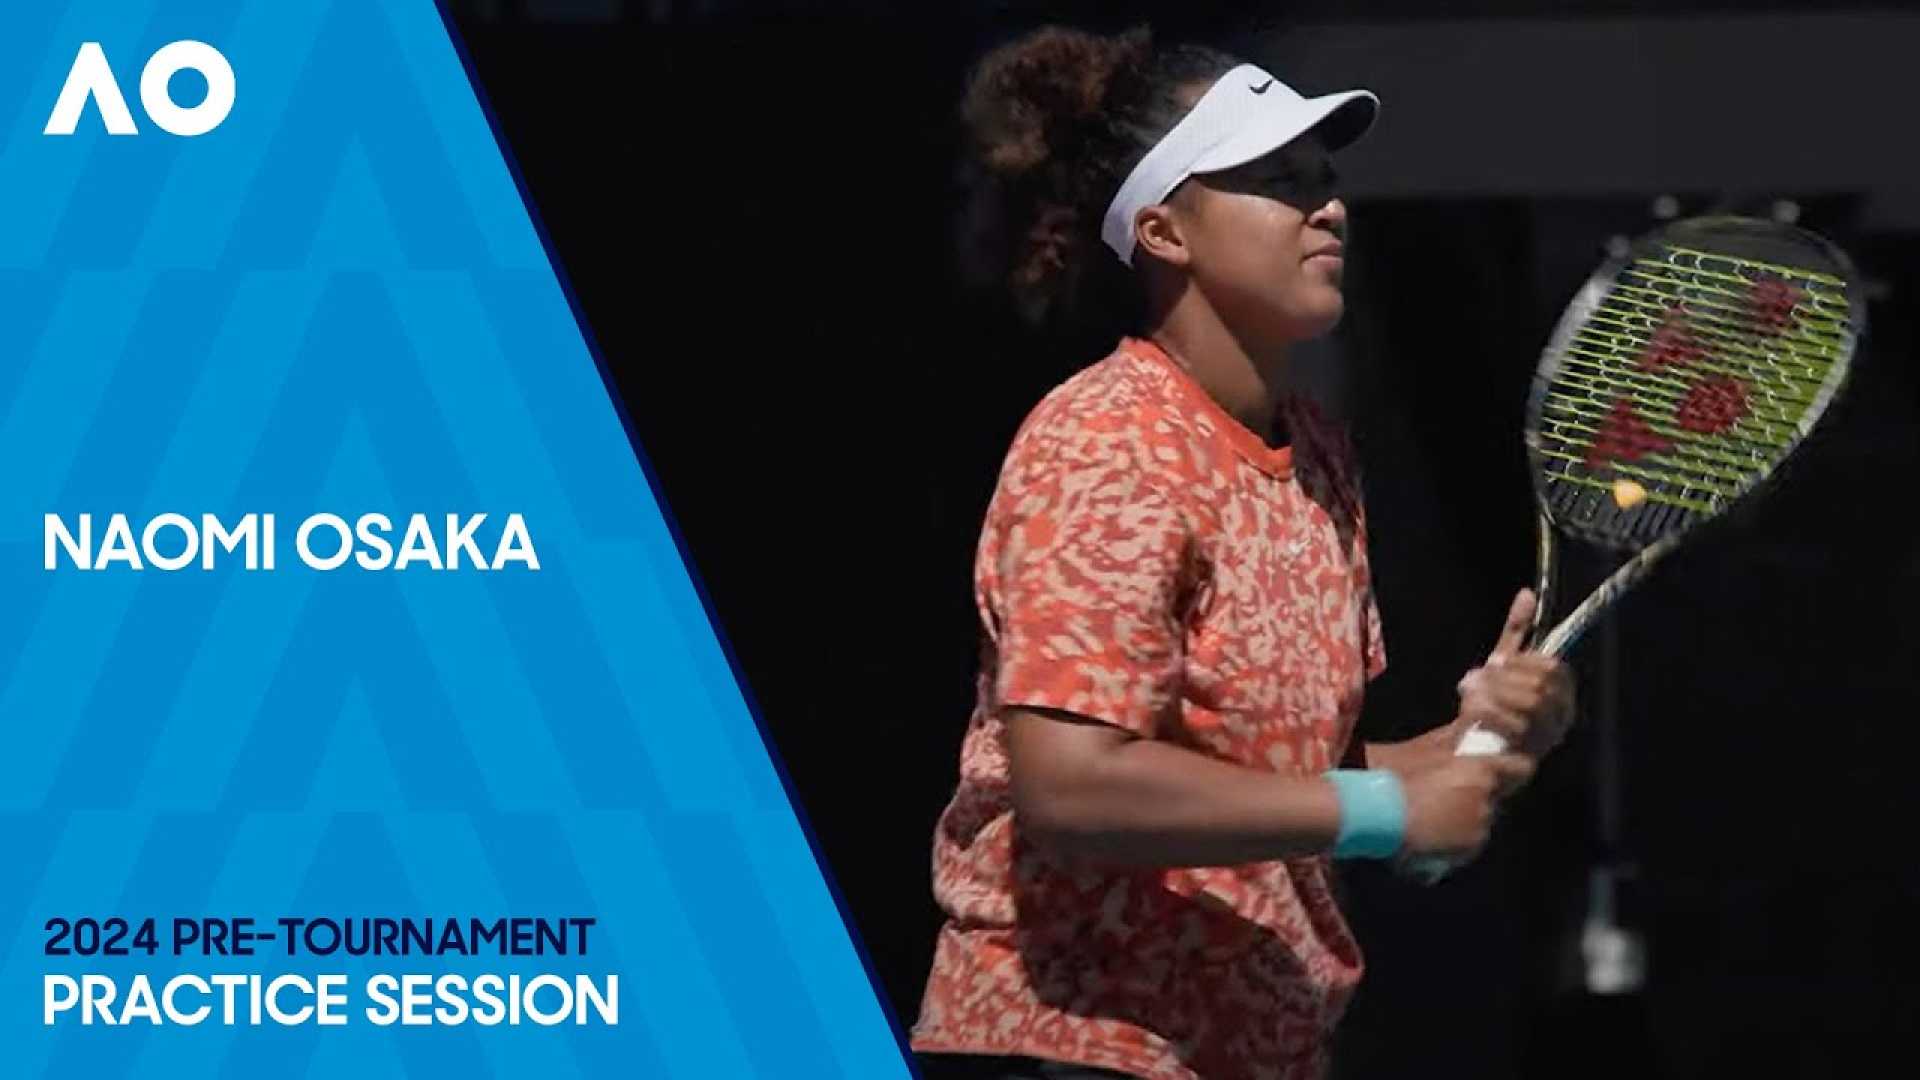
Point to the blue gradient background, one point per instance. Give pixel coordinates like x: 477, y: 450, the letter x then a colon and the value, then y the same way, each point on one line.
x: 337, y: 301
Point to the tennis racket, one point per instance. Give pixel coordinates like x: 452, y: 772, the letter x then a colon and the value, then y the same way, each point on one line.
x: 1678, y: 381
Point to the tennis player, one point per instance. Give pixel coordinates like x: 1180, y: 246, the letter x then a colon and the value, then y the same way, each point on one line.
x: 1179, y: 622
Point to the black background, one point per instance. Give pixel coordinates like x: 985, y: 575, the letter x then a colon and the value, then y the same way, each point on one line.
x: 754, y: 204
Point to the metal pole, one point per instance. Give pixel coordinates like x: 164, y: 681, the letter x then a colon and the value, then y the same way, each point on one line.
x: 1615, y: 955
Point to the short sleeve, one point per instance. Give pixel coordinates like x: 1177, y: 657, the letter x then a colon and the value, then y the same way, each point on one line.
x: 1085, y: 587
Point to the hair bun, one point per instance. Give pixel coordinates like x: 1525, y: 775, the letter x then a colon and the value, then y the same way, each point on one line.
x: 1055, y: 120
x: 1028, y: 98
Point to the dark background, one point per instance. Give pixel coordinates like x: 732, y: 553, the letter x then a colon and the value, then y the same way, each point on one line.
x: 755, y: 205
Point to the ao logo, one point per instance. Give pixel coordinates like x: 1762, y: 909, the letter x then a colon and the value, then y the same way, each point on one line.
x: 91, y: 77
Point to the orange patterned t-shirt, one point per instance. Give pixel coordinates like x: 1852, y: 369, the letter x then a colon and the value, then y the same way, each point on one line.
x: 1149, y: 562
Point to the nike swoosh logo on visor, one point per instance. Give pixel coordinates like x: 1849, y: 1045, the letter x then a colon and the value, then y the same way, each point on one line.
x: 1262, y: 88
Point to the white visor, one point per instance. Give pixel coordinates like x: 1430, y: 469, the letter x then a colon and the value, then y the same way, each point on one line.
x: 1245, y: 115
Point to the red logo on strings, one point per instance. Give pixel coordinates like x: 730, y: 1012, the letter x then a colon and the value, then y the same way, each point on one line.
x: 1772, y: 302
x: 1713, y: 405
x: 1624, y: 437
x: 1672, y: 345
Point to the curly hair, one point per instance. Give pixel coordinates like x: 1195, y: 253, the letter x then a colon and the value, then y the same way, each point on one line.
x: 1056, y: 120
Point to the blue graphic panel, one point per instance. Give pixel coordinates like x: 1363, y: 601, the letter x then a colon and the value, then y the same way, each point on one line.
x: 336, y: 302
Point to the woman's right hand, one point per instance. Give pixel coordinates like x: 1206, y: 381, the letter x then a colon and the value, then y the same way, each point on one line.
x: 1450, y: 806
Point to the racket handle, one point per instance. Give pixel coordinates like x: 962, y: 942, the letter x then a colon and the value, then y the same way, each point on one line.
x: 1478, y: 742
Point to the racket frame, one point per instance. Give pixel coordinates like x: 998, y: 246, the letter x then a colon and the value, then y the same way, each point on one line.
x: 1564, y: 635
x: 1592, y: 295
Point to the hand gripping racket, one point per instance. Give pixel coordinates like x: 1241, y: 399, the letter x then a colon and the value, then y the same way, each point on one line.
x: 1679, y: 379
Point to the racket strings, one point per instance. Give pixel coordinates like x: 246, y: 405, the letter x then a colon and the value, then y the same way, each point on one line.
x: 1580, y: 399
x: 1736, y: 342
x: 1695, y: 375
x: 1731, y: 353
x: 1771, y: 419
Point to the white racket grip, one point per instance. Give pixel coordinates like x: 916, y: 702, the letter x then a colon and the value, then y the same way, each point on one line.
x: 1480, y: 742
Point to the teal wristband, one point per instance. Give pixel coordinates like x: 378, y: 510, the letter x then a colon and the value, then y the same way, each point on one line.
x: 1373, y: 813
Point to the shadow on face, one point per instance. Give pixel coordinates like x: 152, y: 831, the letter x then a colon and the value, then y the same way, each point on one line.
x: 1300, y: 174
x: 1264, y: 243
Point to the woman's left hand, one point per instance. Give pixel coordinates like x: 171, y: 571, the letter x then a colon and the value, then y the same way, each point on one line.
x: 1526, y: 698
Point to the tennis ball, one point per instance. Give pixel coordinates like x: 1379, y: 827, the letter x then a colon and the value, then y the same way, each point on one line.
x: 1628, y: 494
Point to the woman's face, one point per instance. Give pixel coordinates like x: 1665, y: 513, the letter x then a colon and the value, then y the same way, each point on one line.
x: 1264, y: 243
